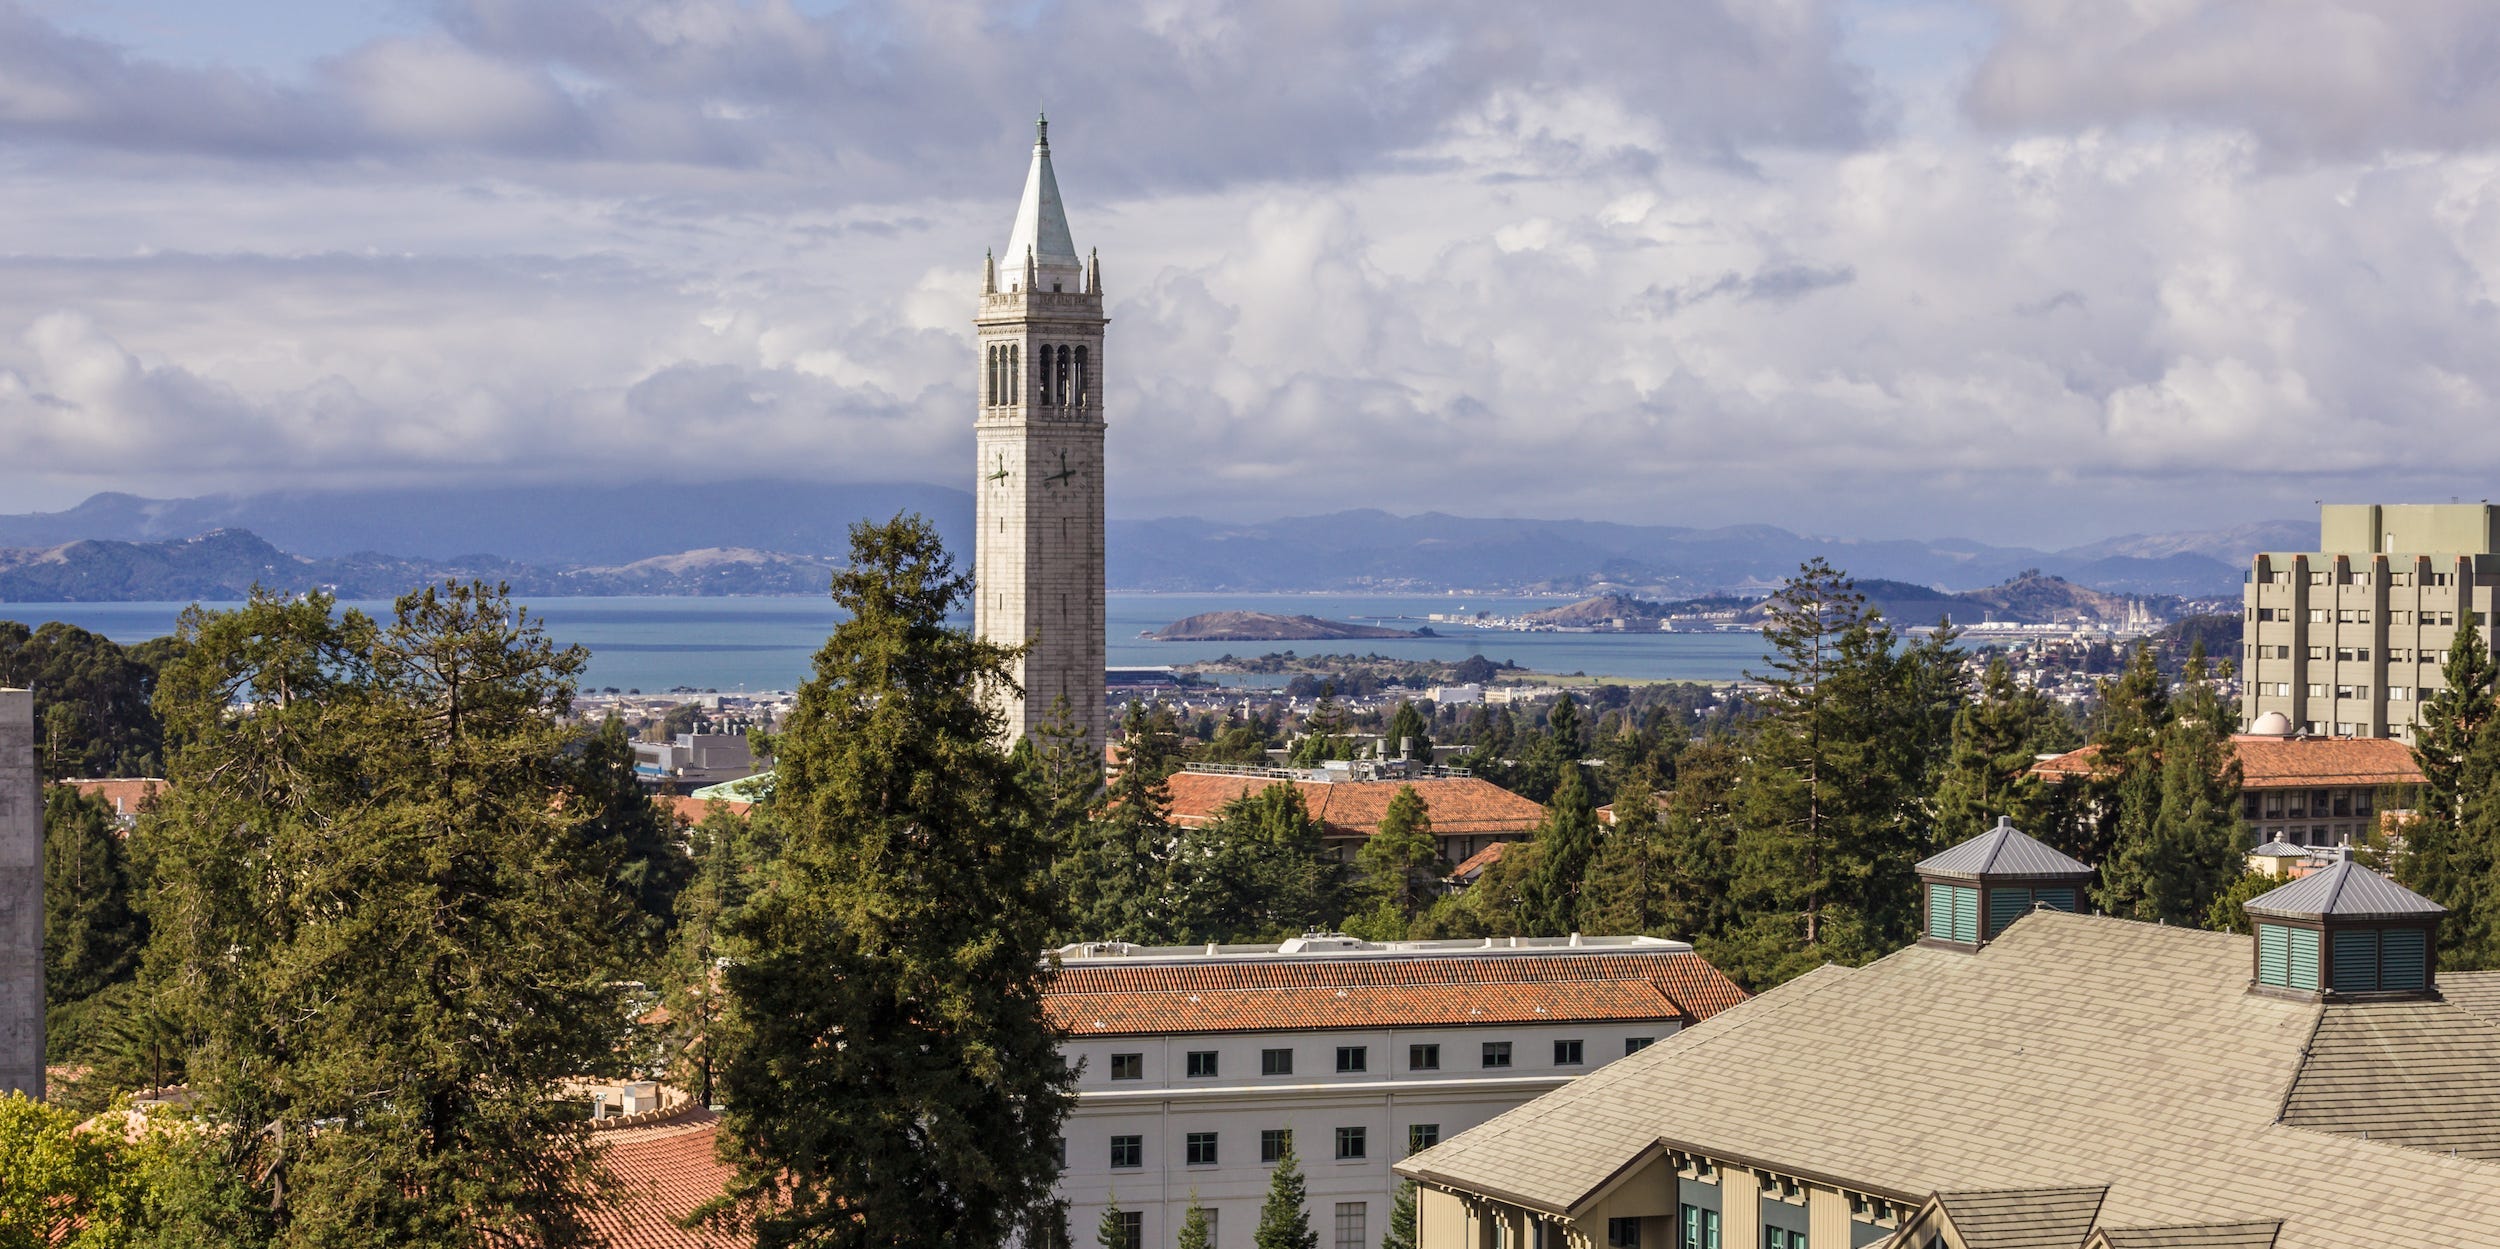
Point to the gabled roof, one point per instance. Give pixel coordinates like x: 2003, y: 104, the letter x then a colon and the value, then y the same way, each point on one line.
x: 2032, y: 1218
x: 1468, y: 871
x: 2345, y: 890
x: 2003, y: 851
x: 2423, y: 1074
x: 663, y: 1168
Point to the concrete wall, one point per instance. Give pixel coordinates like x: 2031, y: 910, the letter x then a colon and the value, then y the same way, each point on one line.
x: 21, y: 899
x: 2423, y: 528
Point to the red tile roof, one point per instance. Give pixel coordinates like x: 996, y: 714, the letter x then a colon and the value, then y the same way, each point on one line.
x: 1460, y: 805
x: 1378, y: 992
x: 126, y: 795
x: 1477, y: 862
x: 692, y: 810
x: 2285, y: 762
x: 664, y: 1167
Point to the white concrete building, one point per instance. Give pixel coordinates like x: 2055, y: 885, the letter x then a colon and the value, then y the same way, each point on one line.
x: 1196, y: 1060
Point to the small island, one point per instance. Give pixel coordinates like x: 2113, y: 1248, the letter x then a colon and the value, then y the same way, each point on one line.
x: 1254, y: 626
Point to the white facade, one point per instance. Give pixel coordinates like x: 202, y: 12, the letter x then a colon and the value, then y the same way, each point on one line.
x: 1149, y: 1133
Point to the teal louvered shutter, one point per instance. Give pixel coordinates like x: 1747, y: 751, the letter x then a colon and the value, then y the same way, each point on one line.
x: 2005, y: 906
x: 2356, y: 960
x: 2274, y: 955
x: 2301, y: 958
x: 2055, y: 899
x: 2403, y: 959
x: 1940, y: 912
x: 1966, y: 915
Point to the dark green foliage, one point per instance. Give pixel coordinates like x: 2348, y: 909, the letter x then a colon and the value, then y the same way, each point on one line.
x: 1996, y: 738
x: 1629, y: 879
x: 1564, y: 726
x: 1285, y: 1217
x: 1400, y: 865
x: 1401, y: 1233
x: 1324, y: 734
x: 91, y: 933
x: 2225, y: 915
x: 645, y: 842
x: 1195, y: 1234
x: 2179, y: 843
x: 732, y: 860
x: 1699, y: 835
x: 92, y: 698
x: 1567, y: 841
x: 1113, y: 875
x: 1410, y: 733
x: 387, y: 942
x: 1258, y: 871
x: 2452, y: 843
x: 889, y: 1075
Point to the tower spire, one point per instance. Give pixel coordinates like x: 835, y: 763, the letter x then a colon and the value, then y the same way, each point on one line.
x: 1041, y: 131
x: 989, y: 272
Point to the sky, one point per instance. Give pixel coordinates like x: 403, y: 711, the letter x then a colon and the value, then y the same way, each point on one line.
x: 2027, y: 271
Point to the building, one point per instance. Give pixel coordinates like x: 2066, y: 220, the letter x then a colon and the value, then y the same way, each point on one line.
x: 126, y: 795
x: 1195, y: 1061
x: 21, y: 899
x: 1348, y: 800
x: 2300, y: 790
x: 693, y: 760
x: 2346, y: 640
x: 2051, y: 1080
x: 664, y: 1166
x: 1038, y: 549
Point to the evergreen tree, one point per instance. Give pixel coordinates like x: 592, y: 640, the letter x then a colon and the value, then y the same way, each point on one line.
x: 1115, y: 879
x: 387, y: 931
x: 645, y: 842
x: 1195, y: 1233
x: 1401, y: 863
x: 1564, y: 725
x: 2179, y: 844
x: 1324, y: 734
x: 1410, y: 733
x: 91, y: 932
x: 1285, y: 1219
x: 890, y: 1076
x: 1259, y: 870
x: 2448, y: 859
x: 1401, y: 1234
x: 2225, y: 915
x: 1627, y: 889
x: 1550, y: 906
x: 1111, y: 1231
x: 1698, y: 836
x: 1987, y: 774
x: 728, y: 870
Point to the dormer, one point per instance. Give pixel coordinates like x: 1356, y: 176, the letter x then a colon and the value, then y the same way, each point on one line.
x: 1977, y: 888
x: 2345, y: 931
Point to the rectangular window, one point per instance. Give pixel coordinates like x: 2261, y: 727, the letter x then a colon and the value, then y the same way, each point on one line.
x: 1275, y: 1062
x: 2317, y: 689
x: 1201, y: 1149
x: 1700, y: 1228
x: 2317, y: 615
x: 1635, y: 1044
x: 1128, y: 1066
x: 1422, y: 1136
x: 1497, y: 1053
x: 2317, y: 652
x: 1352, y: 1058
x: 1350, y: 1233
x: 1351, y: 1143
x: 1566, y: 1053
x: 1128, y: 1151
x: 1273, y: 1142
x: 1423, y: 1058
x: 1623, y: 1234
x: 1132, y: 1230
x: 1202, y: 1063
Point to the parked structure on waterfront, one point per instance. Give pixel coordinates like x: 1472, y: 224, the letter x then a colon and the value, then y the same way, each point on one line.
x: 2347, y: 640
x: 1198, y: 1060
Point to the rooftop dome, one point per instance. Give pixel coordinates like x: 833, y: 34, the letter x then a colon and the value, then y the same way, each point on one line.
x: 2271, y: 724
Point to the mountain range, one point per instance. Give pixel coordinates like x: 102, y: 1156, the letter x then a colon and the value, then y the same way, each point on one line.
x: 776, y: 537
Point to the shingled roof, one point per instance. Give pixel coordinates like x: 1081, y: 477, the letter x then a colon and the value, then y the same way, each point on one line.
x: 2072, y: 1051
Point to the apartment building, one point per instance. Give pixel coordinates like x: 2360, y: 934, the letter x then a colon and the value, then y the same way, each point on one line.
x: 2346, y: 640
x: 2054, y: 1081
x: 1198, y: 1063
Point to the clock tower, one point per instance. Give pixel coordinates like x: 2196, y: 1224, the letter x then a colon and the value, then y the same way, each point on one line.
x: 1038, y: 558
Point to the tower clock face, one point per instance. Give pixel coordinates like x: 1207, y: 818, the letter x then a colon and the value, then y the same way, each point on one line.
x: 998, y: 476
x: 1065, y: 473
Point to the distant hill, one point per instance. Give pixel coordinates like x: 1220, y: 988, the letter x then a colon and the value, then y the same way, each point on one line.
x: 1256, y: 626
x: 2028, y: 598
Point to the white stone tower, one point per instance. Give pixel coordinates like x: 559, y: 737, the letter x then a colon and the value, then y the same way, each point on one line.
x: 21, y: 899
x: 1038, y: 558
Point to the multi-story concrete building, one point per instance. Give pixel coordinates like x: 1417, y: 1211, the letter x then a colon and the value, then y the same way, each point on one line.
x: 1038, y: 549
x: 2038, y: 1079
x: 693, y: 760
x: 1197, y: 1063
x: 2346, y: 640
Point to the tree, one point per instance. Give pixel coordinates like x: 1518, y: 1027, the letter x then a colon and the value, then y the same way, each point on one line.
x: 2448, y: 859
x: 1324, y: 733
x: 1563, y: 723
x: 1259, y: 870
x: 1284, y: 1219
x: 889, y: 1074
x: 1111, y: 1232
x: 92, y: 698
x: 1195, y: 1233
x: 2179, y: 842
x: 1401, y: 1233
x: 381, y: 921
x: 1409, y: 733
x: 730, y: 867
x: 1114, y: 874
x: 1627, y: 888
x: 73, y: 1186
x: 1568, y: 835
x: 91, y: 933
x: 645, y: 843
x: 2225, y: 915
x: 1401, y: 863
x: 1987, y: 773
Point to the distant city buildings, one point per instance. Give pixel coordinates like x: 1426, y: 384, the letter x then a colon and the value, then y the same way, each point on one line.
x: 693, y: 760
x: 2347, y: 640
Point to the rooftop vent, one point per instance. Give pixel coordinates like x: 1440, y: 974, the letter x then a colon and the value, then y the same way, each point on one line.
x: 1978, y: 888
x: 2345, y: 931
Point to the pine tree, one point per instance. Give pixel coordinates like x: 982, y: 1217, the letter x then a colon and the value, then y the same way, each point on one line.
x: 1996, y: 738
x: 1259, y: 870
x: 1563, y: 723
x: 1698, y: 839
x: 1627, y: 883
x: 1400, y: 865
x: 728, y: 870
x: 1568, y: 841
x: 2458, y: 750
x: 1195, y: 1234
x: 890, y: 1076
x: 1111, y: 1231
x: 382, y: 922
x: 1401, y: 1233
x: 1285, y: 1219
x: 91, y: 932
x: 646, y: 843
x: 2179, y: 843
x: 1114, y: 878
x: 1410, y: 734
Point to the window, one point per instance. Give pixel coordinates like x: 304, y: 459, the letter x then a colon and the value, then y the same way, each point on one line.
x: 1128, y: 1066
x: 1623, y: 1234
x: 2287, y: 957
x: 1423, y: 1058
x: 2317, y: 615
x: 1128, y: 1151
x: 1782, y: 1238
x: 1350, y: 1234
x: 2317, y: 652
x: 1201, y: 1149
x: 1635, y: 1044
x: 1700, y: 1228
x: 2282, y: 652
x: 1352, y: 1058
x: 2317, y: 689
x: 1273, y: 1142
x: 1422, y: 1136
x: 1275, y: 1062
x: 1202, y: 1062
x: 1132, y: 1230
x: 1351, y: 1143
x: 1566, y: 1053
x: 1497, y: 1053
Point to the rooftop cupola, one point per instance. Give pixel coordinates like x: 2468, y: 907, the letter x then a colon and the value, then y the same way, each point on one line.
x: 1042, y: 225
x: 2346, y: 931
x: 1976, y: 889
